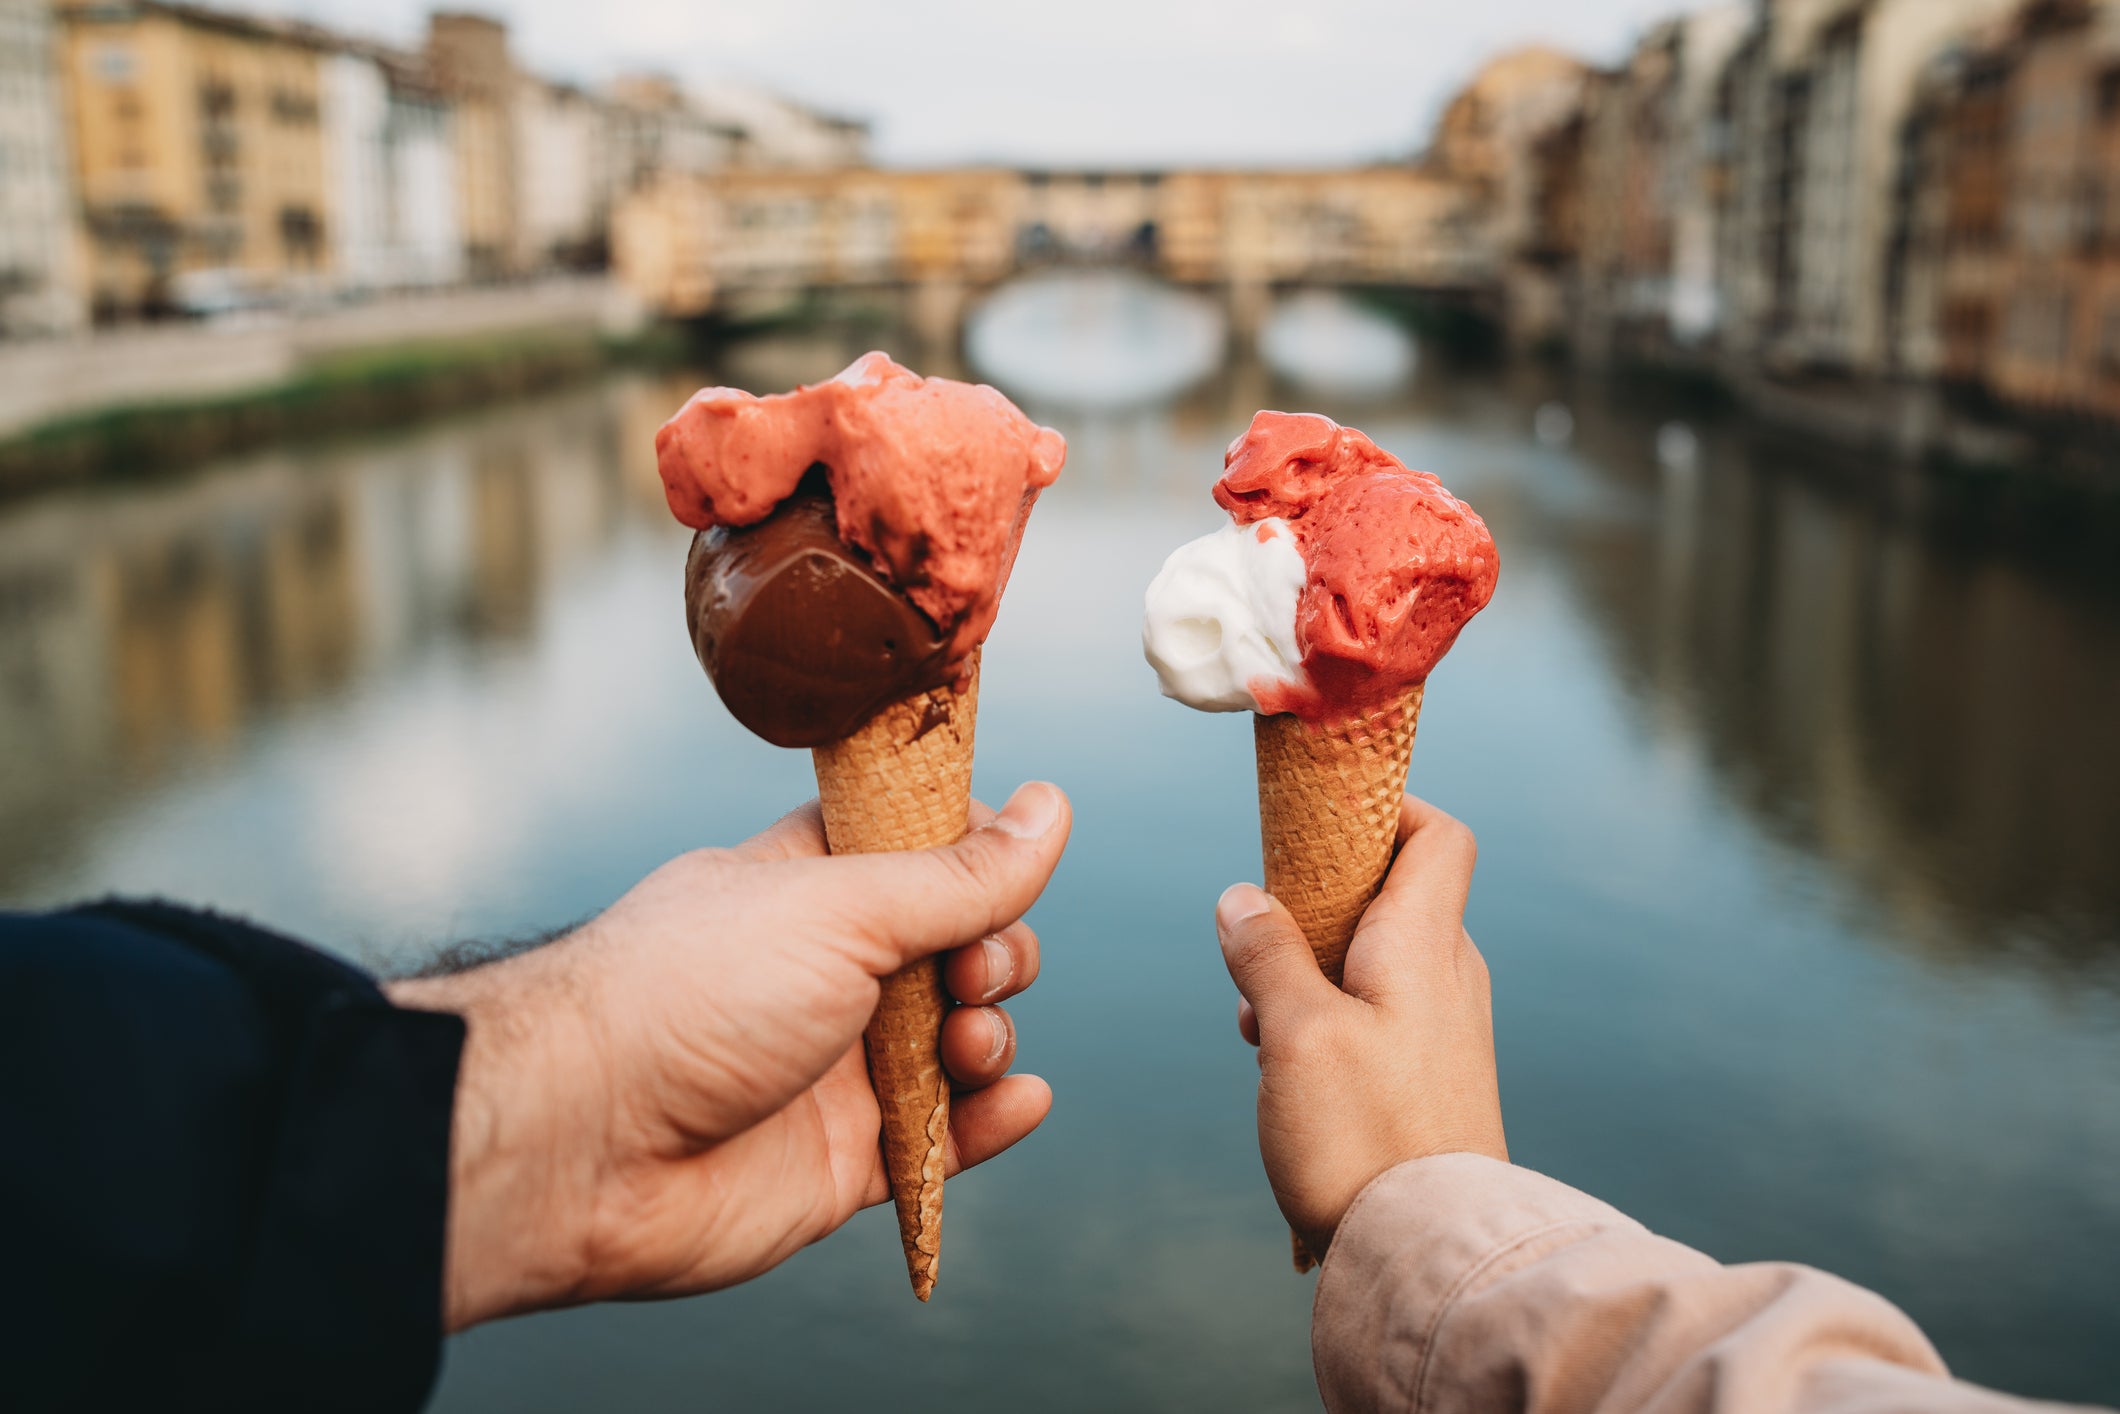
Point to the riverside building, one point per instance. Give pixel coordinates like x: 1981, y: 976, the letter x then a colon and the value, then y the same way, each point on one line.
x: 467, y: 55
x: 1808, y: 120
x: 198, y: 143
x: 2011, y: 215
x: 40, y: 285
x: 391, y: 155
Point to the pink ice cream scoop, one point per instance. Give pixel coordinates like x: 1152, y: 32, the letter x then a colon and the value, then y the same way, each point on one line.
x: 930, y: 478
x: 1353, y: 577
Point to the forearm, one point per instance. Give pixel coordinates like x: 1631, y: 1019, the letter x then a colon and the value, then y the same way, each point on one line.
x: 1460, y: 1283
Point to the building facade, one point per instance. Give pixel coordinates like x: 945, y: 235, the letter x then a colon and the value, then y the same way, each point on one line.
x: 1649, y: 255
x: 778, y: 133
x: 199, y: 152
x: 356, y: 100
x: 390, y: 157
x: 687, y: 244
x: 1810, y: 116
x: 2011, y: 214
x: 654, y: 129
x: 40, y: 275
x: 1500, y: 140
x: 467, y: 56
x: 1706, y: 42
x: 562, y: 189
x: 420, y: 177
x: 164, y: 157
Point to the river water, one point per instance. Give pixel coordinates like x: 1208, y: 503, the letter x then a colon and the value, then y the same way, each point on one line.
x: 1799, y: 879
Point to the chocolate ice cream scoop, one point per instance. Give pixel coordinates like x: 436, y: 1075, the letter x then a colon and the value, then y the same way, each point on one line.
x: 804, y: 640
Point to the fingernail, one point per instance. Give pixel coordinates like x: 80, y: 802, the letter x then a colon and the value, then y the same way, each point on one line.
x: 1001, y: 1032
x: 1000, y: 968
x: 1031, y: 812
x: 1239, y: 902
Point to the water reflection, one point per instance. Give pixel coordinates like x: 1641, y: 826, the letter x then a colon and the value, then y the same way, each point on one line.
x: 1322, y: 342
x: 1936, y: 718
x: 1797, y: 826
x: 147, y: 629
x: 1107, y: 339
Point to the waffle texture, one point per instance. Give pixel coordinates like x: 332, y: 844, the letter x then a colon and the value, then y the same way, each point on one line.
x: 904, y: 781
x: 1328, y: 818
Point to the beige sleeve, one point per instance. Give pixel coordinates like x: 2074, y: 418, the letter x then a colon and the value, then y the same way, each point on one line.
x: 1458, y: 1283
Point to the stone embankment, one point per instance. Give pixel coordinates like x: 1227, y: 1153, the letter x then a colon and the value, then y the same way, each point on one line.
x: 75, y: 406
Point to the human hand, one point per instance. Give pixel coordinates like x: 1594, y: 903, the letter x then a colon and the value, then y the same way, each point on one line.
x: 674, y: 1098
x: 1398, y: 1066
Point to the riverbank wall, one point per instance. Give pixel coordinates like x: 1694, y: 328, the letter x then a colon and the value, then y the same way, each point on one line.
x: 110, y: 402
x: 1927, y: 428
x: 1905, y: 429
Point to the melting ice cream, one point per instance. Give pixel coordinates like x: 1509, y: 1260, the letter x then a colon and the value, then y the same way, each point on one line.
x: 932, y: 479
x: 1391, y: 567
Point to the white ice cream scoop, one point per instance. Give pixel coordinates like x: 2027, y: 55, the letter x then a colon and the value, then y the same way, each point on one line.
x: 1221, y: 616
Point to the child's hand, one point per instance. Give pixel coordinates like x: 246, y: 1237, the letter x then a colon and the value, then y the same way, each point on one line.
x: 1397, y: 1067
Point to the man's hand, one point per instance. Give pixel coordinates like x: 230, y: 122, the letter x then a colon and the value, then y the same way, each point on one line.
x: 1401, y: 1064
x: 673, y: 1098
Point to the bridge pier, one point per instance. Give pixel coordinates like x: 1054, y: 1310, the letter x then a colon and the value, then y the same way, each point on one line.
x: 1249, y: 302
x: 936, y: 313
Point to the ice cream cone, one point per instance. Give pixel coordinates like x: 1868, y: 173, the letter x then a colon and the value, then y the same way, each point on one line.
x: 904, y: 781
x: 1328, y: 816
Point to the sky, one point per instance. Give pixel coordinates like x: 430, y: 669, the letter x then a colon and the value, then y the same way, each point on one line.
x: 1064, y: 82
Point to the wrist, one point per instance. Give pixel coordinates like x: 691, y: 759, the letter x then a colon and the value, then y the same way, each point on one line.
x: 514, y: 1151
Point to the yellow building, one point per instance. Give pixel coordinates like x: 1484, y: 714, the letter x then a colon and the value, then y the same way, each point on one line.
x: 688, y: 242
x: 199, y: 152
x: 1363, y: 225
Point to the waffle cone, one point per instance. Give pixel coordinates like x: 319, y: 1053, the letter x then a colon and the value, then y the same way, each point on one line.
x: 1328, y: 817
x: 904, y: 781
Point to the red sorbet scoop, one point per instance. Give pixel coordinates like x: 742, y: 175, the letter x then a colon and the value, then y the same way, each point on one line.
x: 1395, y: 565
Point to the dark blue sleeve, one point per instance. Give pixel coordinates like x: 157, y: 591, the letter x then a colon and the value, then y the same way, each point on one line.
x: 224, y: 1167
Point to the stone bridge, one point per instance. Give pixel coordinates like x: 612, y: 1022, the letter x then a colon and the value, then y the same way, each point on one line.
x: 745, y: 243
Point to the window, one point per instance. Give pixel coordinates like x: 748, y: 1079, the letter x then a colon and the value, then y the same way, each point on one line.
x: 2109, y: 343
x: 301, y: 233
x: 114, y: 63
x: 2039, y: 325
x: 289, y: 106
x: 2090, y: 214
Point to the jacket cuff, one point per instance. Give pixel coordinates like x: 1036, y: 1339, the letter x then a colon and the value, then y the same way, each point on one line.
x: 344, y: 1146
x: 355, y: 1216
x: 1416, y: 1239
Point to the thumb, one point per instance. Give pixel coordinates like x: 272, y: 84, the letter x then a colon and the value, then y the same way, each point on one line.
x: 1268, y: 957
x: 917, y: 902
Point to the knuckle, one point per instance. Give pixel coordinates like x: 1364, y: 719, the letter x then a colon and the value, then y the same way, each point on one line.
x: 1025, y: 950
x: 1458, y: 837
x: 966, y: 868
x: 1253, y: 944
